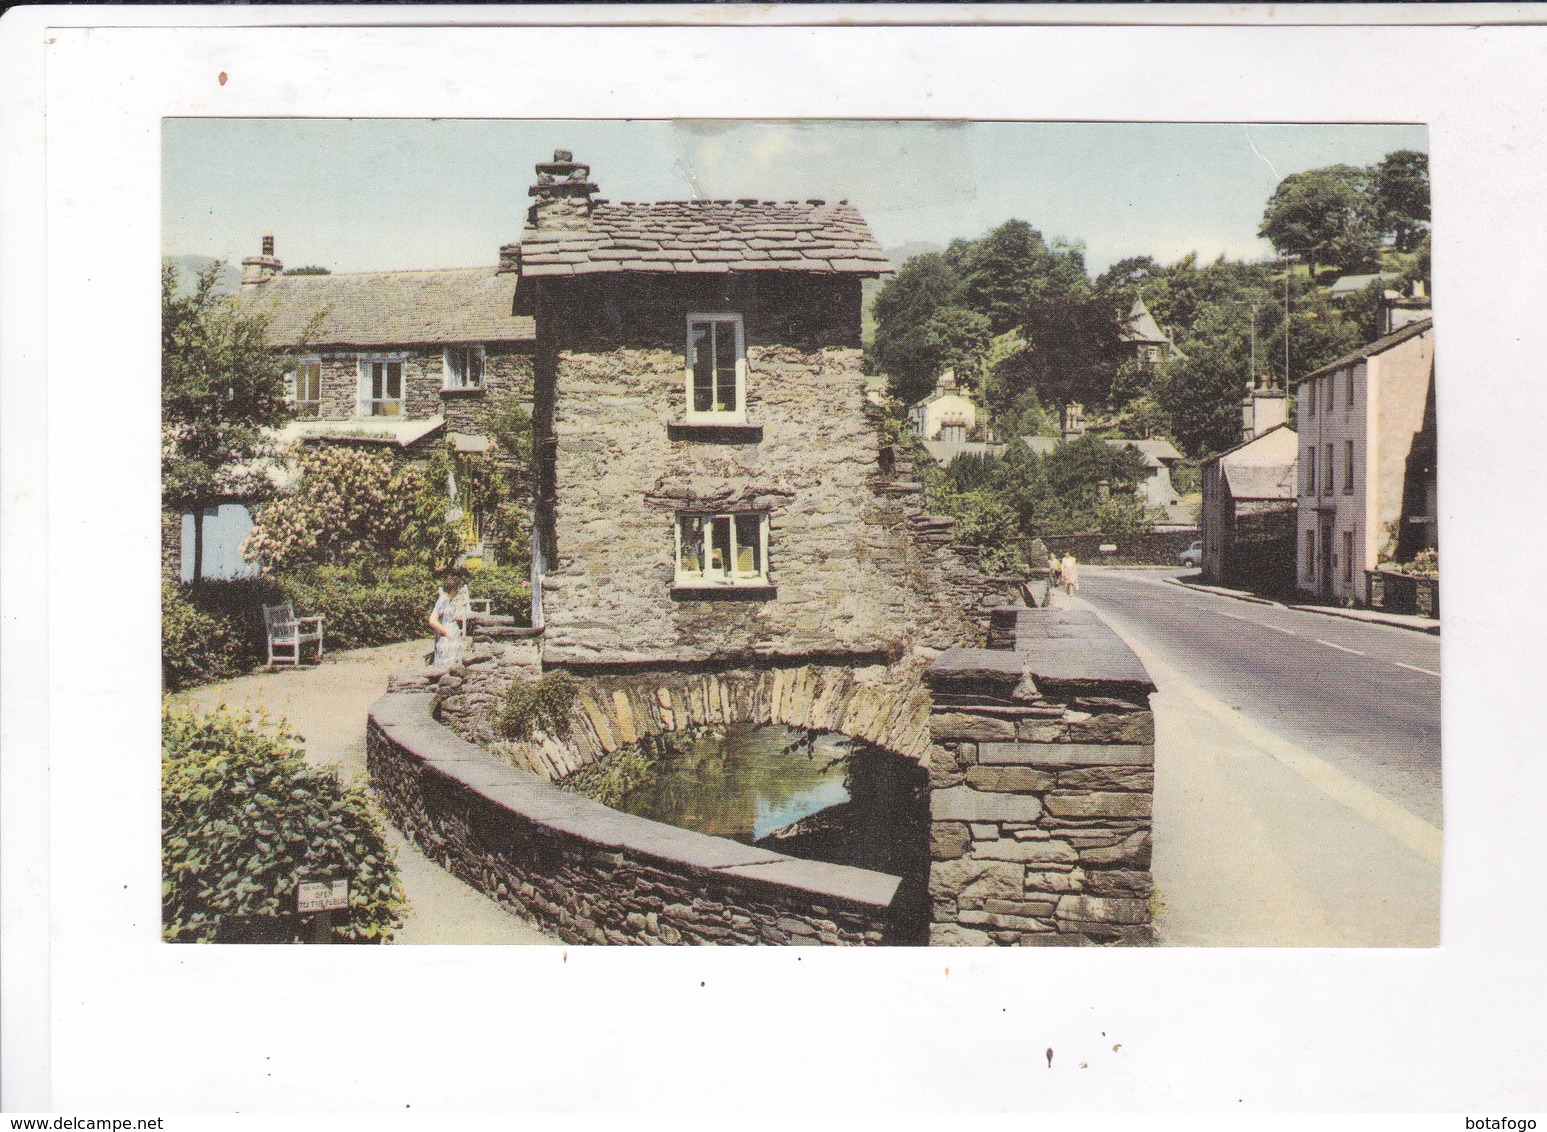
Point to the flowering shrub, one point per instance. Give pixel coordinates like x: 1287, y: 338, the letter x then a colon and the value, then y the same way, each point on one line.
x: 244, y: 820
x: 351, y: 505
x: 1425, y: 564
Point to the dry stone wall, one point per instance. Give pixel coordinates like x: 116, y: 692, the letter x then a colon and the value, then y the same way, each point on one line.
x: 589, y: 874
x: 1041, y: 798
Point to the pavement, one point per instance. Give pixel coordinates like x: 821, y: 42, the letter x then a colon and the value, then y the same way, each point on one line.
x: 1297, y: 795
x: 1370, y: 616
x: 327, y: 705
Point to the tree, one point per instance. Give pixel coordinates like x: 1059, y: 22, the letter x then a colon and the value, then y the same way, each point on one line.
x: 1324, y: 216
x: 244, y: 820
x: 926, y: 285
x: 1401, y: 186
x: 309, y: 269
x: 1074, y: 346
x: 1012, y: 266
x: 1125, y: 276
x: 221, y: 387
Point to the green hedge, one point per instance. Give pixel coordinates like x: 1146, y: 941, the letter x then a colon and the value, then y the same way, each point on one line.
x: 244, y: 819
x: 215, y: 631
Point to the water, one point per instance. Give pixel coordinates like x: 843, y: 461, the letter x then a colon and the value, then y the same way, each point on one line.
x: 742, y: 781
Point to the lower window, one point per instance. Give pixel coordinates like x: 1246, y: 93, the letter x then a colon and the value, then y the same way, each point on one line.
x: 722, y: 550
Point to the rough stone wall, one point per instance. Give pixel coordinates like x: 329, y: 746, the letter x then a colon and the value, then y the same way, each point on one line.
x: 589, y: 874
x: 507, y: 373
x: 844, y: 557
x: 1156, y: 548
x: 1041, y: 800
x: 171, y: 544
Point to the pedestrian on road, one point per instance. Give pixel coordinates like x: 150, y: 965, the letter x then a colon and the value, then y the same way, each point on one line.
x: 451, y: 608
x: 1052, y: 578
x: 1069, y: 571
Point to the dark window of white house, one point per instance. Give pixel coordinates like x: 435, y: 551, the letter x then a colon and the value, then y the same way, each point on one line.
x: 463, y: 367
x: 1310, y: 471
x: 1327, y: 473
x: 1348, y: 467
x: 1348, y: 556
x: 1308, y: 398
x: 717, y: 367
x: 1310, y: 555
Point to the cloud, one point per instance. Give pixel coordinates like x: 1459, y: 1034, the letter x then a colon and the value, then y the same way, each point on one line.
x: 877, y: 165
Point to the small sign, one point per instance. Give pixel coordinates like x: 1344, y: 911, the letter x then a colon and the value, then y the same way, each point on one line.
x: 322, y: 896
x: 1108, y: 548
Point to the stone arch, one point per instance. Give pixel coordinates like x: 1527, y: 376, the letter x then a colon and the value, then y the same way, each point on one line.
x: 879, y: 705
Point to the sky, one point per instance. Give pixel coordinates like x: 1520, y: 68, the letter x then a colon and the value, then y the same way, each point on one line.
x: 378, y: 194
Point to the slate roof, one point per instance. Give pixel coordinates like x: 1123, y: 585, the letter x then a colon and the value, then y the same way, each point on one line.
x: 702, y: 236
x: 1352, y: 284
x: 944, y: 451
x: 402, y: 431
x: 391, y: 308
x: 1141, y: 326
x: 1379, y: 346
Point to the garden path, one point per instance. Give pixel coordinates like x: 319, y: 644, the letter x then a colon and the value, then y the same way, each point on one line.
x: 326, y: 705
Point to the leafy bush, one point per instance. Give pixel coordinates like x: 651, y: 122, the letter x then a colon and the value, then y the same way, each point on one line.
x: 542, y: 703
x: 354, y: 506
x: 196, y: 646
x: 244, y: 820
x: 508, y: 588
x: 361, y: 606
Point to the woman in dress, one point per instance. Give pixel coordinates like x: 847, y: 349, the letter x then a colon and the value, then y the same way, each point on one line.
x: 1069, y: 571
x: 451, y: 607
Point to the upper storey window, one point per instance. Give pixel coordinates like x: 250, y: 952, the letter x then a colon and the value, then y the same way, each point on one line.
x: 717, y: 368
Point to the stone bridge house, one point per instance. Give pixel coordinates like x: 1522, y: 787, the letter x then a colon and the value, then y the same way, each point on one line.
x: 721, y: 536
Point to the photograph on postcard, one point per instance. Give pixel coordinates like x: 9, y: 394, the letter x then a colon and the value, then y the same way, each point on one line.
x: 798, y: 532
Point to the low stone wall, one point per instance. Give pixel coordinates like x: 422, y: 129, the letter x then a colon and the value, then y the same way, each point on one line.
x: 589, y: 874
x: 1392, y: 592
x: 1041, y: 803
x: 1134, y: 548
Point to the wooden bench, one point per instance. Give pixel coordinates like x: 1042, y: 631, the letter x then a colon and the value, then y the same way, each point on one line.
x: 286, y: 631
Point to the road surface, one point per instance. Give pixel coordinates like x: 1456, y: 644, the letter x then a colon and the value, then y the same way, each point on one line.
x: 1297, y: 796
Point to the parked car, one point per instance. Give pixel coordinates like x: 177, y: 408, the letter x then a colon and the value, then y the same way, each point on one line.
x: 1192, y: 556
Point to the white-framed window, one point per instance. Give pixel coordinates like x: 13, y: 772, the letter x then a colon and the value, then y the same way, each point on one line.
x: 462, y: 367
x: 717, y: 368
x: 308, y: 387
x: 722, y: 550
x: 381, y: 387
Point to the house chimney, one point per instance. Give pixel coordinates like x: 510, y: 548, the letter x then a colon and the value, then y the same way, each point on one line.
x: 562, y: 194
x: 261, y: 268
x: 1265, y: 407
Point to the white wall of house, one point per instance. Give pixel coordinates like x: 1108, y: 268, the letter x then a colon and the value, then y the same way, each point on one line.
x: 225, y: 528
x: 929, y: 416
x: 1373, y: 429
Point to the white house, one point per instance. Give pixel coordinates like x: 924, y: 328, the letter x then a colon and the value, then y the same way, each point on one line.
x: 947, y: 414
x: 1367, y: 462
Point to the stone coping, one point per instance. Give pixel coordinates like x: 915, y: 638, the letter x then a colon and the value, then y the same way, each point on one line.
x: 406, y: 719
x: 1072, y: 647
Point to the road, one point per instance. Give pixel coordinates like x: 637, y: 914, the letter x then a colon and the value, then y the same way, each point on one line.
x: 1297, y: 790
x: 1364, y: 697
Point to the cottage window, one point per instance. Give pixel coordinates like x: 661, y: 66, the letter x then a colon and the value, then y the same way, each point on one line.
x: 722, y: 550
x: 308, y: 387
x: 717, y: 368
x: 381, y: 387
x: 1348, y: 467
x: 463, y: 367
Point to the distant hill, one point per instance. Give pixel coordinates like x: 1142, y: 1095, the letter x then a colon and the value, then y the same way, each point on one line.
x: 907, y: 251
x: 189, y: 266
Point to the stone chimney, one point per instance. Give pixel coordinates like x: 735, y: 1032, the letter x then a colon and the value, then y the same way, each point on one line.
x: 261, y: 268
x: 1074, y: 423
x: 562, y: 195
x: 1265, y: 407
